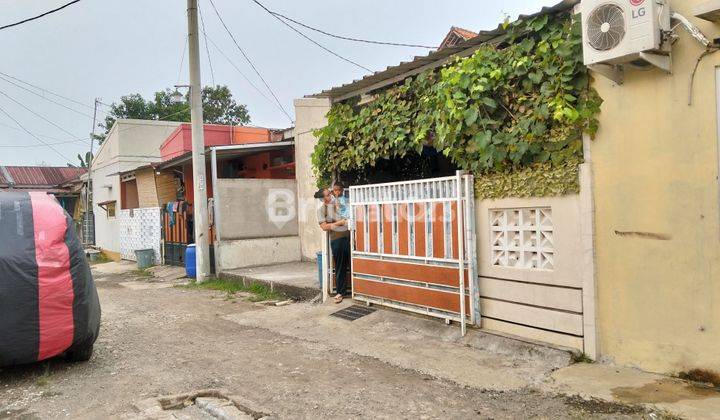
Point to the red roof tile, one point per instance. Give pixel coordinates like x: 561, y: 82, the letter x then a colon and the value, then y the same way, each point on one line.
x: 455, y: 36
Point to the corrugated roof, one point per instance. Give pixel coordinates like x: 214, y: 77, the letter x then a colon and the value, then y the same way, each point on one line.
x: 38, y: 176
x: 433, y: 57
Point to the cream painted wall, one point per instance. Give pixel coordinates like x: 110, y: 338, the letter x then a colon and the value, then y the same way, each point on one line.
x: 130, y: 144
x: 309, y: 115
x: 655, y: 165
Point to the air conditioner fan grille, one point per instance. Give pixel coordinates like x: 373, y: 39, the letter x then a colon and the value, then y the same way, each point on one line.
x: 606, y: 27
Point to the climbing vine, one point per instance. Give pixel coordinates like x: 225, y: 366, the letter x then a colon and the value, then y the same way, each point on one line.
x: 519, y: 106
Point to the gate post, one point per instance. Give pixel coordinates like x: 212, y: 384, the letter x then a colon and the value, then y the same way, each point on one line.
x: 461, y: 245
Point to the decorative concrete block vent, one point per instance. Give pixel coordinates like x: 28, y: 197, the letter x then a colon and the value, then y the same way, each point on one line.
x: 204, y: 404
x: 522, y: 238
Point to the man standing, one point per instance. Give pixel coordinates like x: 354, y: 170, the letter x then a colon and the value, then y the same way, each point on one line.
x: 331, y: 221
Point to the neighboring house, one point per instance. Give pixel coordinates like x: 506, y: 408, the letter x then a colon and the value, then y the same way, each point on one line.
x: 62, y: 182
x: 456, y: 36
x: 630, y: 264
x: 128, y: 145
x: 156, y: 206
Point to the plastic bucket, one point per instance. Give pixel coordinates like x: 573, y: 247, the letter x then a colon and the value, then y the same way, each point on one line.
x: 190, y: 266
x: 145, y: 258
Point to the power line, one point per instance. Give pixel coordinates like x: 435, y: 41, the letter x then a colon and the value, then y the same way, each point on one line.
x: 310, y: 39
x: 36, y: 137
x: 36, y: 114
x: 249, y: 61
x: 59, y: 140
x: 207, y: 48
x: 347, y: 38
x: 182, y: 61
x: 49, y: 91
x: 45, y: 97
x: 27, y: 146
x: 39, y: 16
x: 242, y: 74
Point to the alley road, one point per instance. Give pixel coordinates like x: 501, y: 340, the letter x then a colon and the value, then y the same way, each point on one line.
x: 162, y: 341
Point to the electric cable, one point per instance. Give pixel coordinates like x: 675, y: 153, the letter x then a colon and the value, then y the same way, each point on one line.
x: 51, y: 92
x: 310, y: 39
x: 36, y: 114
x: 207, y: 48
x: 34, y: 136
x: 212, y: 3
x: 346, y: 38
x: 57, y: 9
x: 45, y: 97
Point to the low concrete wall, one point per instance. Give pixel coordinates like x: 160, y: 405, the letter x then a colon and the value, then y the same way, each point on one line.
x: 256, y: 208
x: 262, y: 251
x: 530, y: 267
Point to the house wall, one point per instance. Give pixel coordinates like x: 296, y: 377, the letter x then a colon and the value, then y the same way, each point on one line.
x: 655, y: 164
x: 309, y: 115
x: 129, y: 144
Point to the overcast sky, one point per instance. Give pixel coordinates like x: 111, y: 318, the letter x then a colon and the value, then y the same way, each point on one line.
x: 106, y: 49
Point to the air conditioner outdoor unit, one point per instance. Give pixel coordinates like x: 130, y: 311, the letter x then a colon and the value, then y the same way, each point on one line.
x: 622, y: 32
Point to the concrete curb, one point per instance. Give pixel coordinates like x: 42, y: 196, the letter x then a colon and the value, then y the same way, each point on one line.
x: 294, y: 292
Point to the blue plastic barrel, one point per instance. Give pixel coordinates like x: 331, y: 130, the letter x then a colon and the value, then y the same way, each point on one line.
x: 190, y: 267
x: 319, y: 263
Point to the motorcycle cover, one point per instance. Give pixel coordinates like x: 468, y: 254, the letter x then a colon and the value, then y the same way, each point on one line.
x: 48, y: 301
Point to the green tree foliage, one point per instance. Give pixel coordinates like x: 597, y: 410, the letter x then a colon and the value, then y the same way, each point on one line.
x: 521, y: 104
x: 219, y: 107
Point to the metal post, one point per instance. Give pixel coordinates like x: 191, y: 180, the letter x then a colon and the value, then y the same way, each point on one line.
x: 200, y: 208
x: 88, y: 218
x: 461, y: 248
x: 216, y: 209
x: 470, y: 249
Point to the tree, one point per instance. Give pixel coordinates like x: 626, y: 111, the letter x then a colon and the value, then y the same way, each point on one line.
x: 219, y: 107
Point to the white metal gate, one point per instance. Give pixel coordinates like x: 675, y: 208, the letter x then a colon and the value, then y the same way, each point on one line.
x: 413, y: 246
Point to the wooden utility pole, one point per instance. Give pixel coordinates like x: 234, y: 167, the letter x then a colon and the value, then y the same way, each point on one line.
x: 200, y: 207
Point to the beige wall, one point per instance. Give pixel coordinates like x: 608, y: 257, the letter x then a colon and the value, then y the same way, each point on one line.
x: 309, y: 115
x: 130, y: 144
x: 655, y: 164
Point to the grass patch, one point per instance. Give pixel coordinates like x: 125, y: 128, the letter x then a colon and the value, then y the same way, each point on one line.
x: 259, y: 291
x: 142, y: 273
x: 44, y: 378
x: 581, y: 358
x: 100, y: 258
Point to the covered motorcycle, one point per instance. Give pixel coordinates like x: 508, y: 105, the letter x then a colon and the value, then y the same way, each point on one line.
x: 48, y: 302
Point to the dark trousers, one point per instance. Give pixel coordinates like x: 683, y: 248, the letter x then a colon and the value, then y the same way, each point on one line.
x: 341, y: 255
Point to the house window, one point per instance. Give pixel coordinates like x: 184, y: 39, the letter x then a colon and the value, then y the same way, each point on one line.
x: 111, y: 209
x: 522, y: 238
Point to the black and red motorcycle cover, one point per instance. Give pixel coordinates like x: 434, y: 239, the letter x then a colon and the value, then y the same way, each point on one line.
x: 48, y: 300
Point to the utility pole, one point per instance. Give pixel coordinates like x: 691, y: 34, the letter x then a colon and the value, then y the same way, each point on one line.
x: 200, y: 208
x: 89, y: 223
